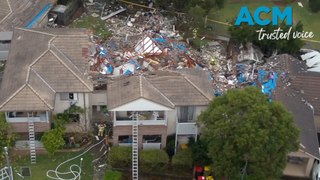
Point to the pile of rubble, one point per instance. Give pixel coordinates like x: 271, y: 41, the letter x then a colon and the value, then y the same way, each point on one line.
x: 145, y: 41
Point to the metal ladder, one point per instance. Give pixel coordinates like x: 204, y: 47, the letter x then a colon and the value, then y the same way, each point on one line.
x: 32, y: 144
x: 135, y: 150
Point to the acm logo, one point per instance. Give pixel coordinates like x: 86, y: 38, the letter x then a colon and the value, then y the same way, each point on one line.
x: 245, y: 16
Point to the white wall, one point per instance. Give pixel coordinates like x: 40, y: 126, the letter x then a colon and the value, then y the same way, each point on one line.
x: 199, y: 109
x: 82, y: 101
x: 172, y: 115
x: 141, y: 105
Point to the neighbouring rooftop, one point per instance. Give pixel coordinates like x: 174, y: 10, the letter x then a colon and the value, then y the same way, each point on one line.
x: 41, y: 63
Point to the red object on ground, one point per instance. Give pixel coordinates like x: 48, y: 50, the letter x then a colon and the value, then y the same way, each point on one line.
x: 201, y: 178
x: 199, y: 169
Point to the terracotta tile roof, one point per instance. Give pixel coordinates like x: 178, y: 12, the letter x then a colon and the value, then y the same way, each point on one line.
x: 36, y: 61
x: 163, y: 87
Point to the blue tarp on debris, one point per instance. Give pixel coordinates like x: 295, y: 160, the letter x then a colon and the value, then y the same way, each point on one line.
x: 241, y: 78
x: 268, y: 86
x: 135, y: 62
x: 160, y: 40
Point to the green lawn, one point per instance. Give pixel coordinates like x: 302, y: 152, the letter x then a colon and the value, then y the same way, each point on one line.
x: 97, y: 25
x: 113, y: 175
x: 310, y: 20
x: 45, y: 163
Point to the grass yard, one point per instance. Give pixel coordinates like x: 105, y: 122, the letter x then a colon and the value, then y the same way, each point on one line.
x: 113, y: 175
x: 310, y: 20
x: 97, y: 25
x: 45, y: 163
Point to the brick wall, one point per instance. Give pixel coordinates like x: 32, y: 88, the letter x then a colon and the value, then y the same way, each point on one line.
x: 21, y: 127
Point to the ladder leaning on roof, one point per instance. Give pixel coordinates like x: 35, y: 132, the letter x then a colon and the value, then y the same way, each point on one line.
x: 32, y: 144
x: 135, y: 150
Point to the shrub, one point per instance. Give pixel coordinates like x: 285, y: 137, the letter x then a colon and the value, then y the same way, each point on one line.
x: 53, y: 140
x: 170, y: 145
x: 153, y: 160
x: 120, y: 157
x: 182, y: 159
x: 7, y: 138
x: 113, y: 175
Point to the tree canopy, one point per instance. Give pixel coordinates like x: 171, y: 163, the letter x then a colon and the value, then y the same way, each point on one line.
x: 7, y: 138
x: 245, y: 33
x: 248, y: 136
x: 314, y: 5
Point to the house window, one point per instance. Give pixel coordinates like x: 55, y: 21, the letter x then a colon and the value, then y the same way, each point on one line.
x: 68, y: 96
x: 151, y: 138
x: 186, y: 113
x: 125, y: 139
x: 297, y: 160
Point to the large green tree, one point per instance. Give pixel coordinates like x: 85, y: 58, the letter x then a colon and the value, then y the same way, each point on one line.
x: 248, y: 136
x: 245, y: 33
x: 6, y: 137
x: 314, y: 5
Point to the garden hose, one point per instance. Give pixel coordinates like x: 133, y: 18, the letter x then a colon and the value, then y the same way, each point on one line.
x: 74, y: 169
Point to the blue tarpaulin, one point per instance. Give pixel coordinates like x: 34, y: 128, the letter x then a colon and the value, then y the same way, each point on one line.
x: 160, y: 40
x: 241, y: 78
x: 262, y: 75
x: 217, y: 93
x: 127, y: 72
x: 135, y: 62
x: 181, y: 47
x: 270, y: 85
x: 44, y: 10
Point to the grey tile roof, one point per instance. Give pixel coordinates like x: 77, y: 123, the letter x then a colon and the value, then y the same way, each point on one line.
x: 127, y: 89
x: 18, y: 13
x: 307, y: 83
x: 36, y: 61
x: 294, y: 100
x: 303, y: 117
x: 163, y: 87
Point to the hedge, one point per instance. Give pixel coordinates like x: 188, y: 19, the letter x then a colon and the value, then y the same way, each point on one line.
x: 120, y: 157
x: 153, y: 160
x: 183, y: 159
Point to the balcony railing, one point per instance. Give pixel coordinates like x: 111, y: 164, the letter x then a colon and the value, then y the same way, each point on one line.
x: 125, y: 144
x: 186, y: 128
x: 151, y: 145
x: 141, y: 122
x: 42, y: 118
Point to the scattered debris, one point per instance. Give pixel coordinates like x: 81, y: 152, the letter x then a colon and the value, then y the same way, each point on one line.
x: 145, y: 41
x: 312, y: 59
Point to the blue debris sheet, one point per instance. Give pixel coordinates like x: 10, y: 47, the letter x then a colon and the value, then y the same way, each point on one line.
x: 268, y: 81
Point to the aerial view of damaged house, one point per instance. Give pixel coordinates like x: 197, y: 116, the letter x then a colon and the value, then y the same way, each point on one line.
x: 156, y: 83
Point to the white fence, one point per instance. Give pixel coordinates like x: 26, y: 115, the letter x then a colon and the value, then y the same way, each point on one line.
x: 4, y: 174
